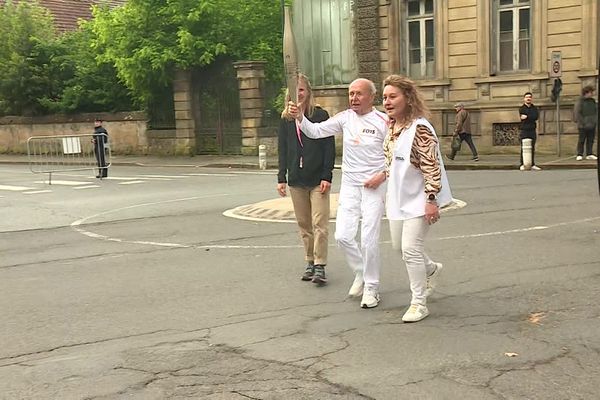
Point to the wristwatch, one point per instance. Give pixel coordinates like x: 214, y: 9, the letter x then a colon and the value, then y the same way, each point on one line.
x: 431, y: 198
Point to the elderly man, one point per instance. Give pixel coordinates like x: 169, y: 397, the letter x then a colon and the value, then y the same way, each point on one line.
x: 463, y: 131
x: 362, y: 191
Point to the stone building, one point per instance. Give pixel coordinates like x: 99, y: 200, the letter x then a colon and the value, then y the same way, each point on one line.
x: 484, y: 53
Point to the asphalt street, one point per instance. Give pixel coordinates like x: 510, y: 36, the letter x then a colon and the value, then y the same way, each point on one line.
x: 147, y: 286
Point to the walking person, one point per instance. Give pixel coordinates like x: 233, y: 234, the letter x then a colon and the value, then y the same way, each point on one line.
x: 362, y: 192
x: 306, y: 166
x: 417, y: 187
x: 529, y: 115
x: 586, y: 116
x: 463, y: 131
x: 100, y: 139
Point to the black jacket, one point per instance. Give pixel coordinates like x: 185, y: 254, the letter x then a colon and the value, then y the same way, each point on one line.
x: 318, y: 155
x: 586, y: 113
x: 528, y: 125
x: 101, y: 135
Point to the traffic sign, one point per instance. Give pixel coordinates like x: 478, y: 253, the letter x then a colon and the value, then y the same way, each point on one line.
x: 555, y: 65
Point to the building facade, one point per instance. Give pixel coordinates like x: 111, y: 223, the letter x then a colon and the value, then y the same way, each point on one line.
x: 484, y: 53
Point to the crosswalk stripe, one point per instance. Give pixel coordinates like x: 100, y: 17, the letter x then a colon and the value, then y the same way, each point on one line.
x: 163, y: 176
x: 131, y: 182
x: 14, y: 188
x: 87, y: 187
x: 38, y: 192
x: 66, y: 183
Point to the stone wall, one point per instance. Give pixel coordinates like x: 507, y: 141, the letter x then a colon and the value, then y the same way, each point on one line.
x: 127, y: 131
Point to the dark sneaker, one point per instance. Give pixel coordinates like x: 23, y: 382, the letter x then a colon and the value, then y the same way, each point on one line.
x: 449, y: 157
x: 475, y: 158
x: 308, y: 272
x: 319, y: 276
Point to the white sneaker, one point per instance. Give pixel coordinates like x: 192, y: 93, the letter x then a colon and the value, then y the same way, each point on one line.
x: 591, y: 157
x: 432, y: 280
x: 415, y: 313
x: 522, y: 168
x: 356, y: 289
x: 579, y: 158
x: 536, y: 168
x: 370, y: 298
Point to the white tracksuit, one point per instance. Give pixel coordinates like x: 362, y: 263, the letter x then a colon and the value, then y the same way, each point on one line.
x: 362, y: 158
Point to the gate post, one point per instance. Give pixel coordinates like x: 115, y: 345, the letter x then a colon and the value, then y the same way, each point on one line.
x: 251, y: 75
x: 185, y: 126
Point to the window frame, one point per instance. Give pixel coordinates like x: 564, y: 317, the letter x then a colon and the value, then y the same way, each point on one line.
x: 515, y: 8
x: 422, y: 18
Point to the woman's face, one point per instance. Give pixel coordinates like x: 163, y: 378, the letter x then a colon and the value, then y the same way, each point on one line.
x: 302, y: 92
x: 394, y: 102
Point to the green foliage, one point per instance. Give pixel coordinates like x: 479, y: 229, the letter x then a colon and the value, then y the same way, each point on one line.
x: 26, y: 32
x: 147, y: 40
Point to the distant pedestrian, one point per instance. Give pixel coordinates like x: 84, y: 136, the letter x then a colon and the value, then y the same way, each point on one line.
x: 463, y: 131
x: 529, y: 115
x: 306, y: 166
x: 100, y: 140
x: 586, y: 116
x: 418, y: 187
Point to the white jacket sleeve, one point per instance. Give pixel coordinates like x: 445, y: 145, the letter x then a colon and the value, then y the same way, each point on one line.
x: 323, y: 129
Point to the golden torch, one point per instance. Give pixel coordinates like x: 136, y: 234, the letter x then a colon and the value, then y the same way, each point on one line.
x: 290, y: 56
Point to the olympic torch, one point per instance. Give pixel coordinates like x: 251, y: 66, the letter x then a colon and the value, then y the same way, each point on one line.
x: 290, y: 56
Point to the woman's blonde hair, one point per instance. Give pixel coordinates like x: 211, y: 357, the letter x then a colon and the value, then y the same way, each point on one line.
x: 415, y: 104
x: 308, y: 104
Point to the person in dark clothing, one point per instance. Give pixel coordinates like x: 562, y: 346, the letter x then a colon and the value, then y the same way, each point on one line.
x: 100, y: 139
x: 463, y: 131
x: 306, y: 166
x: 529, y: 115
x: 586, y: 116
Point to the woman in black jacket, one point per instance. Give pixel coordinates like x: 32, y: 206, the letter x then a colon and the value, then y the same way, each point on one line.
x: 306, y: 166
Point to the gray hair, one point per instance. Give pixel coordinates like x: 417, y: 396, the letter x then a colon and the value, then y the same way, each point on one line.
x: 369, y: 83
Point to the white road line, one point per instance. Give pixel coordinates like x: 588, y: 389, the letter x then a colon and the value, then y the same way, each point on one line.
x: 66, y: 183
x: 14, y: 188
x: 38, y: 192
x: 163, y: 176
x: 87, y: 187
x: 215, y: 175
x: 119, y: 178
x: 131, y: 182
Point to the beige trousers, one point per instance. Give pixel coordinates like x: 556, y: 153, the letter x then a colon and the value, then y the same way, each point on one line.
x: 312, y: 214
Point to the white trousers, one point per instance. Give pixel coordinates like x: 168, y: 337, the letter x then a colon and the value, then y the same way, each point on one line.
x: 358, y: 205
x: 409, y: 237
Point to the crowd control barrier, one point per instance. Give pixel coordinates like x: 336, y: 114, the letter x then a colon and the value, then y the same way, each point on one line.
x: 49, y: 154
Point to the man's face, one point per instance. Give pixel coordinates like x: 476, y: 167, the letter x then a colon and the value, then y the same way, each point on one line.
x: 360, y: 97
x: 528, y: 99
x: 457, y: 109
x: 97, y: 123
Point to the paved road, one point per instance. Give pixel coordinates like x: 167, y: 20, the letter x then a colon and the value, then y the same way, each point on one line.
x: 145, y: 290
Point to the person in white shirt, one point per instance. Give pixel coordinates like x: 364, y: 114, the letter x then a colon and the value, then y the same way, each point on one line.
x: 417, y: 186
x: 362, y: 191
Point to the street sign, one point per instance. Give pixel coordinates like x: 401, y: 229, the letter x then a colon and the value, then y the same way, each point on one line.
x: 555, y: 65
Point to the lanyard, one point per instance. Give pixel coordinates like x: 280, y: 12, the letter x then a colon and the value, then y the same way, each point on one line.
x: 299, y: 134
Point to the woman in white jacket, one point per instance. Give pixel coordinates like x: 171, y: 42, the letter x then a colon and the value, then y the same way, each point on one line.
x: 417, y: 186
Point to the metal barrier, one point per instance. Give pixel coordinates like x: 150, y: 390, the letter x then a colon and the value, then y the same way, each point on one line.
x: 48, y: 154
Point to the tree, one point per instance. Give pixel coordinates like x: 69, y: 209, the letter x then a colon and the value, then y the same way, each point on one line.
x: 147, y: 39
x: 26, y: 30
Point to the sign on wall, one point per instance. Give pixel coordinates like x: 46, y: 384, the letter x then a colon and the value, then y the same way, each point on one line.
x: 555, y: 65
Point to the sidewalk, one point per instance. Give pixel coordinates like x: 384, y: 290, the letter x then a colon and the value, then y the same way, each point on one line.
x: 487, y: 162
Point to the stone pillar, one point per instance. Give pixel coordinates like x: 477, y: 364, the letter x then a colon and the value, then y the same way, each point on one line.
x: 185, y: 126
x: 367, y: 34
x: 251, y: 76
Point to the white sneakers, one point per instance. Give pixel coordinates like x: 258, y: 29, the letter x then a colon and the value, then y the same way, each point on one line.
x: 522, y: 168
x: 415, y: 313
x: 591, y: 157
x: 533, y: 168
x: 356, y: 289
x: 370, y: 298
x: 432, y: 280
x: 579, y: 158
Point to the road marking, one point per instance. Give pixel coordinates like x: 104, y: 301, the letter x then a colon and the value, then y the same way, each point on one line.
x: 38, y: 192
x: 14, y: 188
x: 163, y: 176
x: 87, y: 187
x: 131, y: 182
x: 215, y: 175
x: 66, y: 183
